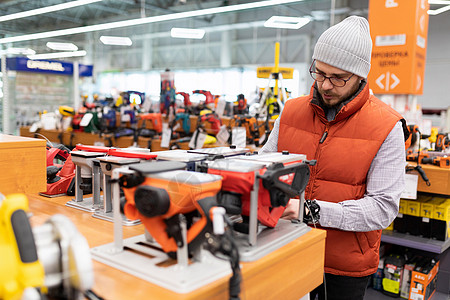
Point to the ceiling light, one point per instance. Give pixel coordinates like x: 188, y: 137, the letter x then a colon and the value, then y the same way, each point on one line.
x: 62, y: 46
x: 434, y: 12
x: 116, y: 40
x: 442, y: 2
x: 18, y: 51
x: 47, y: 9
x: 58, y: 55
x: 286, y: 22
x: 147, y: 20
x: 187, y: 33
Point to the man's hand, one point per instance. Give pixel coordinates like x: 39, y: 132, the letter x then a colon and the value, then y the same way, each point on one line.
x: 291, y: 211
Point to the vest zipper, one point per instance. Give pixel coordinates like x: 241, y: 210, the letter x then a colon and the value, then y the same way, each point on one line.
x: 324, y: 136
x: 312, y: 176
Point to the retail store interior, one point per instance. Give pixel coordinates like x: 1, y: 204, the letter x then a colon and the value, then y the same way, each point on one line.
x: 106, y: 105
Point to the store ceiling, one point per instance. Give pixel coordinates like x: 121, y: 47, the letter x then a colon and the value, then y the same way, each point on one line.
x: 117, y: 10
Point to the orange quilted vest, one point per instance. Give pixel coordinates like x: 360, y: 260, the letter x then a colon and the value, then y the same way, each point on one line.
x: 344, y: 149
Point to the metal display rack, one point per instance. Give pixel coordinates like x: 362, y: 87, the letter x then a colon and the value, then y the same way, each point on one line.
x: 415, y: 242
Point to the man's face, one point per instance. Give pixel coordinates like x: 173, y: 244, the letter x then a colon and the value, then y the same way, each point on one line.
x: 333, y: 95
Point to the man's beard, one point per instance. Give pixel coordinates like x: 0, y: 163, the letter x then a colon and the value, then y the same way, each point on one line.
x: 342, y: 99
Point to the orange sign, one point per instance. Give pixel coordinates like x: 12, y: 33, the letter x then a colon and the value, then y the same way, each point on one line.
x: 399, y: 34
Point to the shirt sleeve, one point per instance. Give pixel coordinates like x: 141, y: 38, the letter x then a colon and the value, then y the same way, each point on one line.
x: 272, y: 143
x: 385, y: 184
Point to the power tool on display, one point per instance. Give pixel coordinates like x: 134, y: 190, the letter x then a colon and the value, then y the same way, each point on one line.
x: 164, y: 196
x: 240, y: 105
x: 278, y: 182
x: 208, y: 103
x: 186, y: 102
x: 60, y: 177
x: 159, y: 192
x: 50, y: 261
x: 251, y: 126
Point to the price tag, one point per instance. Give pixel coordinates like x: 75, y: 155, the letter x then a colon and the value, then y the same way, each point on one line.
x: 262, y: 138
x: 223, y: 135
x: 410, y: 191
x: 175, y: 128
x: 220, y: 107
x: 34, y: 127
x: 238, y: 137
x: 197, y: 140
x: 86, y: 119
x: 165, y: 136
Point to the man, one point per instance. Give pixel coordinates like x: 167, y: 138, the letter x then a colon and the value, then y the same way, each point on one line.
x: 358, y: 143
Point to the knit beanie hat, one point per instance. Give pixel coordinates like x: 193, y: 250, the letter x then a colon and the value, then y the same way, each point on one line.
x: 347, y: 46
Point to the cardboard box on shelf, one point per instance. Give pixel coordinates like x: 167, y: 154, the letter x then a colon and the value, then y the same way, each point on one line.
x: 423, y: 281
x: 440, y: 223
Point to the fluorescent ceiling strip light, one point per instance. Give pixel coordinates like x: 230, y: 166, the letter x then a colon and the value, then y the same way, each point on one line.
x: 187, y: 33
x: 62, y: 46
x: 58, y: 55
x: 45, y: 10
x: 116, y: 40
x: 18, y: 51
x: 439, y: 10
x: 439, y: 2
x: 147, y: 20
x: 286, y: 22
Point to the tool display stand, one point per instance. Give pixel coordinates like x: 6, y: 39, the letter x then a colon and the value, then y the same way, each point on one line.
x: 87, y: 165
x: 191, y: 159
x: 142, y: 257
x: 221, y: 151
x: 107, y: 165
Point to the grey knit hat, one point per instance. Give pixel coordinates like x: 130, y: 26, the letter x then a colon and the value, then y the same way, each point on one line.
x: 347, y: 46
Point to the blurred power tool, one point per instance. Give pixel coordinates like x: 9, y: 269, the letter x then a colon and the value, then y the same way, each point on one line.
x: 20, y: 268
x: 440, y: 161
x: 417, y: 156
x: 134, y: 98
x: 186, y: 101
x: 433, y: 137
x: 240, y: 106
x: 60, y: 178
x: 67, y: 114
x: 251, y: 126
x: 442, y: 142
x: 211, y: 118
x: 51, y: 261
x: 209, y: 97
x: 57, y: 151
x: 185, y: 123
x: 412, y: 139
x: 156, y: 121
x: 109, y: 119
x: 66, y: 111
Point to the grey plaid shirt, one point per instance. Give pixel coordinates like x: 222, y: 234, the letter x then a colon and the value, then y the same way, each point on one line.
x: 385, y: 183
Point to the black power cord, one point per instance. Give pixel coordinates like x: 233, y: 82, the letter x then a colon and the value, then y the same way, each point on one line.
x: 225, y: 245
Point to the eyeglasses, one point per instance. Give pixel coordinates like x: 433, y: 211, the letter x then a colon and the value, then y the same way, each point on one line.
x: 336, y: 81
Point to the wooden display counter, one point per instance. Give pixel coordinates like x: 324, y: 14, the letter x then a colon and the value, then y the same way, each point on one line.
x: 288, y: 273
x: 22, y: 165
x: 71, y: 139
x: 439, y: 179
